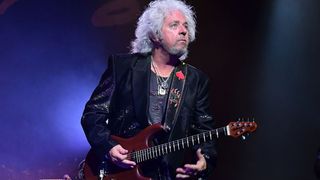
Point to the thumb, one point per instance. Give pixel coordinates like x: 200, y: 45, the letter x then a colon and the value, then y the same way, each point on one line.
x: 199, y: 154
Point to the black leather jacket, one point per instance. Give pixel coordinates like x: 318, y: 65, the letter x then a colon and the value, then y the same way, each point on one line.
x: 118, y: 106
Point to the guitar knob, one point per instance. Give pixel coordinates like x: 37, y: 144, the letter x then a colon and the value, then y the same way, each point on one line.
x: 243, y: 137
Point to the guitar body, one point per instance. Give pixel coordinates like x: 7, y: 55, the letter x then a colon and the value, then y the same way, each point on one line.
x: 140, y: 141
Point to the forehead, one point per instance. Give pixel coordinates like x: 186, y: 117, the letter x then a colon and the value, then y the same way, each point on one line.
x: 175, y: 16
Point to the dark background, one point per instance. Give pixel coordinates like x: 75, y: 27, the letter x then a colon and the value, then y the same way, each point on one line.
x: 262, y: 58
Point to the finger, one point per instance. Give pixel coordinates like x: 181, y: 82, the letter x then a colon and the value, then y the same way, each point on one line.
x: 122, y: 150
x: 115, y: 155
x: 181, y: 170
x: 182, y: 176
x: 191, y: 166
x: 128, y: 162
x: 199, y: 154
x: 120, y: 157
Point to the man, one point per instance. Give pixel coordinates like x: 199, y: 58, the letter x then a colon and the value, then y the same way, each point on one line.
x: 153, y: 85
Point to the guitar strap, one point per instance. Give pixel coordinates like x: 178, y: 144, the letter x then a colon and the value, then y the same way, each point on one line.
x: 175, y: 96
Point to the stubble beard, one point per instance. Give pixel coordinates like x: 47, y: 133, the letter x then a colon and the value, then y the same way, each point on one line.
x: 177, y: 52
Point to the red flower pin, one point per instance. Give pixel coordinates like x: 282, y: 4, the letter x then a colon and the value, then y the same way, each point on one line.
x: 180, y: 75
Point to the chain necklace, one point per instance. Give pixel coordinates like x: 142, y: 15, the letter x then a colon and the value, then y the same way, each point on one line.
x: 162, y: 82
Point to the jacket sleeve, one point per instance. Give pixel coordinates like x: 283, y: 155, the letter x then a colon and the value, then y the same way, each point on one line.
x: 96, y: 114
x: 202, y: 122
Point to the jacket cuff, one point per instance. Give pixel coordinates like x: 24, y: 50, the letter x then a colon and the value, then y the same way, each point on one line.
x: 103, y: 150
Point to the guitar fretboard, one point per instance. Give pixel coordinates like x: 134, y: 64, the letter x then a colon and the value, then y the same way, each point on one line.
x: 176, y: 145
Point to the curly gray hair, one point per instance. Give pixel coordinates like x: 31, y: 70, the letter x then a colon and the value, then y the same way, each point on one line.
x: 151, y: 21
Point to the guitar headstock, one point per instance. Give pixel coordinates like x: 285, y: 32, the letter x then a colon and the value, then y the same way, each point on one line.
x: 239, y: 128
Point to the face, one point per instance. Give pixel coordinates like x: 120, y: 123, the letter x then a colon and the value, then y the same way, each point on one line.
x: 174, y: 33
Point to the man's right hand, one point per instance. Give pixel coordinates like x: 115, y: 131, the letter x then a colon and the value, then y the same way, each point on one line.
x: 118, y: 155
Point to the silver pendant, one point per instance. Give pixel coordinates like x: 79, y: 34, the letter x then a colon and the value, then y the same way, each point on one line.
x: 164, y: 85
x: 161, y: 91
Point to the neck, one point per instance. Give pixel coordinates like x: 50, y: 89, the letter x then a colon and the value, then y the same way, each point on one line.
x: 163, y: 62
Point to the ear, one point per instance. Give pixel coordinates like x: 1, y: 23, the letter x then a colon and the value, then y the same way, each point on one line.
x: 155, y: 37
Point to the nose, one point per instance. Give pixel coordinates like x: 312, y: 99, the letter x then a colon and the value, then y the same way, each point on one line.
x: 183, y: 30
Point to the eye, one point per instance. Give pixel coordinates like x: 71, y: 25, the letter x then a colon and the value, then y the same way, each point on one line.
x: 186, y: 25
x: 173, y: 25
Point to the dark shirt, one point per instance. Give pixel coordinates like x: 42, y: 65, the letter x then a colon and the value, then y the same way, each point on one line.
x: 157, y: 102
x: 157, y: 106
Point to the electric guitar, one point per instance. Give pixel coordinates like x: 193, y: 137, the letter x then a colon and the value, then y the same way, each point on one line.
x: 140, y: 150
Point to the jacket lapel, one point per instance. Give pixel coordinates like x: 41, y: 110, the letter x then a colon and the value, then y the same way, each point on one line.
x: 140, y: 87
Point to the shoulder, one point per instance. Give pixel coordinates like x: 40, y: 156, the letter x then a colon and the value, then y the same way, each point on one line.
x: 197, y: 73
x: 122, y: 64
x: 127, y: 58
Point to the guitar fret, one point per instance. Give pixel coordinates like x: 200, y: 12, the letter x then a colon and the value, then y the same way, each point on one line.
x: 210, y: 133
x: 178, y: 145
x: 152, y: 152
x: 169, y: 147
x: 204, y: 137
x: 144, y: 155
x: 162, y: 149
x: 217, y: 133
x: 182, y: 143
x: 198, y: 138
x: 187, y: 141
x: 139, y: 156
x: 147, y: 154
x: 166, y: 148
x: 174, y: 146
x: 192, y: 140
x: 133, y: 156
x: 136, y: 157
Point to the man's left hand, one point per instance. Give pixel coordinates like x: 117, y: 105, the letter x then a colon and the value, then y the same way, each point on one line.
x: 189, y: 170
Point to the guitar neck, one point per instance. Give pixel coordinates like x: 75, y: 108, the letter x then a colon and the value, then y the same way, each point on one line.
x: 176, y: 145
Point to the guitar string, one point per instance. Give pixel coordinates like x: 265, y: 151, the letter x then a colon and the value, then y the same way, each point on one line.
x: 146, y: 154
x: 149, y: 152
x: 152, y: 152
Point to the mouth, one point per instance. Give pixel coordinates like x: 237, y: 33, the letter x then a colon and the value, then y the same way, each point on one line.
x: 182, y: 40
